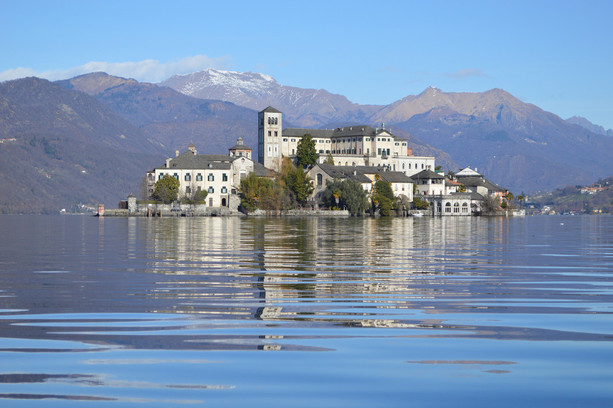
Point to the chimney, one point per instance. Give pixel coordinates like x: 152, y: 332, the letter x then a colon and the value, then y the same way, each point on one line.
x: 168, y: 162
x: 176, y: 153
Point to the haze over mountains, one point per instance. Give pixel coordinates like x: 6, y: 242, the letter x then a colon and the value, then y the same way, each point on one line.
x: 90, y: 139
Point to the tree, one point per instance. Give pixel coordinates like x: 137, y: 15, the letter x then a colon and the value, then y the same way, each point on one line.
x: 383, y: 197
x: 258, y: 192
x: 347, y: 194
x: 329, y: 159
x: 420, y: 204
x: 490, y: 205
x: 166, y: 189
x: 305, y: 153
x: 297, y: 182
x: 199, y: 196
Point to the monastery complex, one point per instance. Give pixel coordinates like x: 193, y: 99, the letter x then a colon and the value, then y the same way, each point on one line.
x: 361, y: 153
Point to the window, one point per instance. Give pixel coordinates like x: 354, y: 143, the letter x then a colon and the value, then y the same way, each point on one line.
x: 211, y: 177
x: 211, y: 190
x: 456, y: 208
x: 176, y: 175
x: 270, y: 133
x: 188, y: 190
x: 224, y: 190
x: 188, y: 177
x: 224, y: 177
x: 448, y: 207
x: 198, y: 177
x: 320, y: 180
x: 161, y: 176
x: 276, y: 133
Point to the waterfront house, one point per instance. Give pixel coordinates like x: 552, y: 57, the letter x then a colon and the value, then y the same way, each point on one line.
x: 218, y: 175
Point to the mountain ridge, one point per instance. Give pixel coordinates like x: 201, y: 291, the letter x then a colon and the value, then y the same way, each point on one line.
x: 65, y: 148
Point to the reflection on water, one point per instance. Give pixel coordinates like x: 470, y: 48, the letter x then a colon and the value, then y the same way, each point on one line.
x: 163, y: 311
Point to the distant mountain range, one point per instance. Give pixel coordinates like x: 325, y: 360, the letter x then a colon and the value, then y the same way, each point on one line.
x: 62, y: 147
x: 91, y: 138
x: 308, y: 108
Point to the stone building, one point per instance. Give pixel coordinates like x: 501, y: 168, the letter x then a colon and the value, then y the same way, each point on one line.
x: 349, y: 145
x: 218, y: 175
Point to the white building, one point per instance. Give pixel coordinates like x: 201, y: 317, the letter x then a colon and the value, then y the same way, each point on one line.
x: 218, y: 175
x: 349, y: 146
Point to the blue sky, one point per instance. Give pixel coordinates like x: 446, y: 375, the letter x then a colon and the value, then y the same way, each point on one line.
x: 557, y: 55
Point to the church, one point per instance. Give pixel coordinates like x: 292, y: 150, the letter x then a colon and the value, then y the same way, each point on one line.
x: 359, y: 145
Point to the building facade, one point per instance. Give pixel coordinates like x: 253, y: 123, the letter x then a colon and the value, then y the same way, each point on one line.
x: 218, y: 175
x: 348, y: 146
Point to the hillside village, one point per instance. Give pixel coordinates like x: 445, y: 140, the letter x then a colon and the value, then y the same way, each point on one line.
x: 213, y: 184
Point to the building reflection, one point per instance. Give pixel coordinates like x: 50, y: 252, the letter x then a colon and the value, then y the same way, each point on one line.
x: 295, y: 269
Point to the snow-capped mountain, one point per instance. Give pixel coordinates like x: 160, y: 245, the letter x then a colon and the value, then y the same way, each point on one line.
x: 302, y: 107
x: 224, y: 85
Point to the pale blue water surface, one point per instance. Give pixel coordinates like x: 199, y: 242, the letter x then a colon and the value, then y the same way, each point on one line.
x: 286, y: 312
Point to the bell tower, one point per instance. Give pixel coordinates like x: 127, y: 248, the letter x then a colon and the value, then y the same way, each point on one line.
x: 270, y: 126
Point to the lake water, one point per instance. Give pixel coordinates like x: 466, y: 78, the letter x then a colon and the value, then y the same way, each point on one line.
x: 286, y: 312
